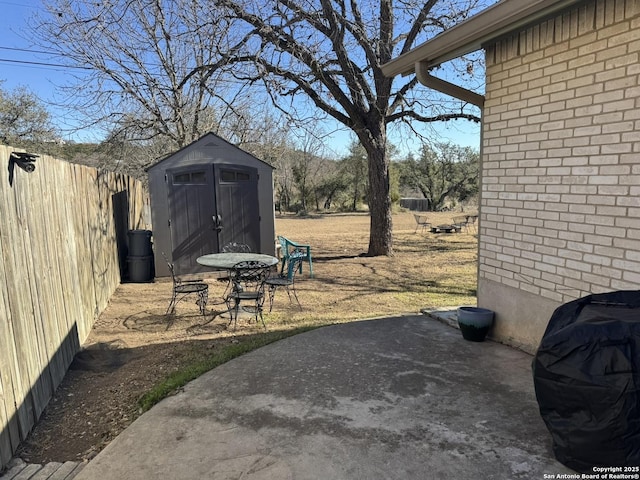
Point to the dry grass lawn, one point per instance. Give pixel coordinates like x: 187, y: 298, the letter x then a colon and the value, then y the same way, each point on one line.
x: 134, y: 347
x: 427, y: 270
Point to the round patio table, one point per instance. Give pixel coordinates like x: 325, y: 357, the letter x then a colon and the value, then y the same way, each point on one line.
x: 226, y: 260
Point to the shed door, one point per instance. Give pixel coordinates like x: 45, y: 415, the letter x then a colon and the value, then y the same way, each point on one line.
x: 191, y: 212
x: 207, y: 211
x: 237, y: 202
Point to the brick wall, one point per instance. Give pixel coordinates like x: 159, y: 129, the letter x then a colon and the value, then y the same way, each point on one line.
x: 560, y: 202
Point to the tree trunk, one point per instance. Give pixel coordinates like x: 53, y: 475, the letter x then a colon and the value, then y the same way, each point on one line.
x: 354, y: 203
x: 380, y: 232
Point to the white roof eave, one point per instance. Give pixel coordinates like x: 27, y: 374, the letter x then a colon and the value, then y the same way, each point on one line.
x: 500, y: 19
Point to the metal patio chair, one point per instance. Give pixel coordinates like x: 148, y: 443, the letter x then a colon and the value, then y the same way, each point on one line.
x: 466, y: 222
x: 183, y: 288
x: 232, y: 247
x: 235, y: 247
x: 247, y: 285
x: 421, y: 222
x: 285, y: 281
x: 461, y: 222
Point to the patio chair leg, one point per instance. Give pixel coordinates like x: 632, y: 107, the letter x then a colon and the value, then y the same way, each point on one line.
x: 284, y: 261
x: 234, y: 315
x: 272, y: 293
x: 295, y: 295
x: 310, y: 267
x: 172, y: 305
x: 231, y: 311
x: 202, y: 302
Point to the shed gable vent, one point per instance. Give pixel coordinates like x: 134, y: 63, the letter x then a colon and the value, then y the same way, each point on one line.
x: 211, y: 144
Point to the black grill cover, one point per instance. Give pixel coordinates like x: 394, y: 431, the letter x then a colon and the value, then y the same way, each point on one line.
x: 586, y: 375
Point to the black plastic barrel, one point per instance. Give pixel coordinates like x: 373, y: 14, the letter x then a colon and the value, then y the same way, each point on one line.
x: 140, y: 269
x: 140, y: 259
x: 139, y: 243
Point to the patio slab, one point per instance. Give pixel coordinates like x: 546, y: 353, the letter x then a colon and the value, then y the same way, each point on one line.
x: 394, y: 398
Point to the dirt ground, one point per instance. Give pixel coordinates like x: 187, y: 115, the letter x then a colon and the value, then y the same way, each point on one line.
x: 134, y: 345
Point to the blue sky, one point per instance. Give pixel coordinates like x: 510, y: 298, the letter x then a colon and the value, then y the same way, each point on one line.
x: 41, y: 80
x: 13, y: 24
x: 37, y: 73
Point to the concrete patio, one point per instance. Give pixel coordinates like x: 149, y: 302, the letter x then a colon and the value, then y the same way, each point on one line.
x: 398, y: 398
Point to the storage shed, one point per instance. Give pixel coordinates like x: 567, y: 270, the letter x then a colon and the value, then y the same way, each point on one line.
x: 206, y: 195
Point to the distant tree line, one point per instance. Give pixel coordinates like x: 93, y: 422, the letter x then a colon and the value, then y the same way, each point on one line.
x: 445, y: 174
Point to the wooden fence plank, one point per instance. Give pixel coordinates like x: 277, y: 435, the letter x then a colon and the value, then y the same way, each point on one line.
x: 53, y: 295
x: 15, y: 268
x: 84, y: 268
x: 8, y: 356
x: 28, y: 206
x: 68, y: 299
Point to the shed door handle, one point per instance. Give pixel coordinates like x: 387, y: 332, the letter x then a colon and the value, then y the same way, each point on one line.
x: 217, y: 222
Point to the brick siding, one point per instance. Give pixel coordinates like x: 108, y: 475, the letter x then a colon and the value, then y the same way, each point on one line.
x: 560, y: 201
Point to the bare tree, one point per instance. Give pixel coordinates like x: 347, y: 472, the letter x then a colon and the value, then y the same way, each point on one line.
x: 24, y: 120
x: 156, y: 71
x: 145, y: 69
x: 328, y: 54
x: 307, y: 167
x: 267, y: 136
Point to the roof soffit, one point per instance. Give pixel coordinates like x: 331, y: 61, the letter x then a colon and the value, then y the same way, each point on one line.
x: 492, y: 23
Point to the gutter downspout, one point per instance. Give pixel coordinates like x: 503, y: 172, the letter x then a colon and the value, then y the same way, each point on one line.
x: 423, y: 76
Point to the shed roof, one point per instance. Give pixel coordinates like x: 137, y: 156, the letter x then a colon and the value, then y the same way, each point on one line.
x: 500, y: 19
x: 217, y: 142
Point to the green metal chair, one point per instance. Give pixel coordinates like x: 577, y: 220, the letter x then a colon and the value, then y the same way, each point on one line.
x: 285, y: 281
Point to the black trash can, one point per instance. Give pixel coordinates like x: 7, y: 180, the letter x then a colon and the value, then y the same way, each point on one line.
x: 140, y: 269
x: 140, y: 259
x: 586, y: 375
x: 139, y: 243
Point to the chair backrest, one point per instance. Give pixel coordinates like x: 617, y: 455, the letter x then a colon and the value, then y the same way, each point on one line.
x: 249, y: 275
x: 171, y: 269
x: 284, y: 246
x: 291, y: 248
x: 293, y: 267
x: 420, y: 219
x: 235, y: 247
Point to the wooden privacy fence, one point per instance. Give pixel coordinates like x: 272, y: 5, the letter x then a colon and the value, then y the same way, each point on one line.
x: 59, y: 265
x: 417, y: 204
